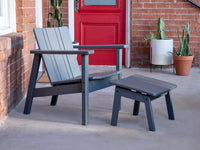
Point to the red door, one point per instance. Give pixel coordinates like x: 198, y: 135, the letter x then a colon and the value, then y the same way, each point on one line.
x: 100, y: 22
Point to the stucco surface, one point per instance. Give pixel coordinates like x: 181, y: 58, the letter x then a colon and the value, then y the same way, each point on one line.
x: 59, y: 127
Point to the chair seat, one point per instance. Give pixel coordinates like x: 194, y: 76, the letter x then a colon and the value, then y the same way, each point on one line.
x: 101, y: 75
x: 92, y: 76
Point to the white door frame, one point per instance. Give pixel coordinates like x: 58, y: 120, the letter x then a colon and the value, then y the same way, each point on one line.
x: 128, y: 27
x: 38, y: 21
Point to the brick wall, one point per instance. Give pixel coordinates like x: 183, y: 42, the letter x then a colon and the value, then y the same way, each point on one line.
x: 176, y: 14
x: 46, y: 8
x: 15, y: 60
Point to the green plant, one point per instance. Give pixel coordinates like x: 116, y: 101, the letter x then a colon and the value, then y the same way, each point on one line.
x: 74, y: 41
x: 149, y: 38
x: 57, y: 15
x: 160, y: 31
x: 183, y: 49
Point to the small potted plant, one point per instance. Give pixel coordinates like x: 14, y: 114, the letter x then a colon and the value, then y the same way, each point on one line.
x: 161, y: 47
x: 182, y: 56
x: 75, y: 43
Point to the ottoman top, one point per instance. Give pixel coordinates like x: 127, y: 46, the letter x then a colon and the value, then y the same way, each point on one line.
x: 143, y: 84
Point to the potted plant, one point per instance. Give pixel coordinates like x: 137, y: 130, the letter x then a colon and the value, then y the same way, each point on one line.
x: 75, y: 43
x: 160, y: 46
x: 182, y: 56
x: 57, y: 15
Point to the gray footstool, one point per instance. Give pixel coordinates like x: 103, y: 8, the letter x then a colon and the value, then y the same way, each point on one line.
x: 142, y: 89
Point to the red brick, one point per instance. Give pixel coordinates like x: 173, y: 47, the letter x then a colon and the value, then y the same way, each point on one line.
x: 25, y: 3
x: 163, y: 5
x: 149, y: 5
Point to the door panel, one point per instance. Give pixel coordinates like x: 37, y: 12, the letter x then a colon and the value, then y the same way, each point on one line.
x: 101, y: 24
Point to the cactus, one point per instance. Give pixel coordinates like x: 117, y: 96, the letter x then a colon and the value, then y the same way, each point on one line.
x: 57, y: 15
x: 184, y: 49
x: 161, y: 29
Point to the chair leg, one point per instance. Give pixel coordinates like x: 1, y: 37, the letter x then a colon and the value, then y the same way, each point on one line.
x: 85, y: 104
x: 85, y: 90
x: 32, y: 83
x: 116, y: 108
x: 136, y: 108
x: 169, y: 107
x: 149, y: 114
x: 54, y: 100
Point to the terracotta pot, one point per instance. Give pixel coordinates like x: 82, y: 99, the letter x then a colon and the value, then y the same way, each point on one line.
x: 183, y: 64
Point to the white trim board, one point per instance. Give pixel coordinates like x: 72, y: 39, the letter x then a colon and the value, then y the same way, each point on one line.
x: 38, y: 21
x: 71, y: 18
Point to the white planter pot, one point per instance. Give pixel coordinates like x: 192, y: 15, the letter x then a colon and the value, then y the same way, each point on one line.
x: 161, y: 52
x: 75, y: 44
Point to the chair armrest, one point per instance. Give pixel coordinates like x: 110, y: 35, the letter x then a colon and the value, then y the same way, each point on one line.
x: 81, y: 52
x: 117, y: 46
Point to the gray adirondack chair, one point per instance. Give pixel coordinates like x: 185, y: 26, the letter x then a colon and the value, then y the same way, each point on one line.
x: 56, y: 50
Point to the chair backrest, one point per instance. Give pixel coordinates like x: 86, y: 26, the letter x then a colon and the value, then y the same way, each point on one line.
x: 58, y: 67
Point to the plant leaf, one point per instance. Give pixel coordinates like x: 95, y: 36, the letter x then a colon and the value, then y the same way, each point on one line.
x: 60, y: 2
x: 53, y: 3
x: 56, y: 2
x: 149, y: 38
x: 48, y: 24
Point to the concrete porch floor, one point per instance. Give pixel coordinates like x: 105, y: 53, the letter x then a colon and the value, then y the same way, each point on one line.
x: 59, y: 127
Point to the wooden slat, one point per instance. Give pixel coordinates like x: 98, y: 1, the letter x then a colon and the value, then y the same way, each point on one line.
x: 74, y: 67
x: 66, y: 62
x: 101, y: 75
x: 58, y: 60
x: 49, y: 62
x: 43, y: 44
x: 156, y: 81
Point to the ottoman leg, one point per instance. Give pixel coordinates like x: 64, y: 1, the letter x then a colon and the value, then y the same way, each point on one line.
x: 169, y: 107
x: 149, y: 114
x: 136, y: 107
x: 116, y: 107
